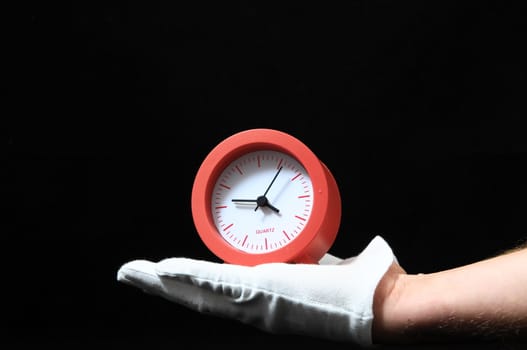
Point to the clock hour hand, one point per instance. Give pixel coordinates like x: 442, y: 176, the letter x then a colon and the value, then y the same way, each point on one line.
x: 263, y: 202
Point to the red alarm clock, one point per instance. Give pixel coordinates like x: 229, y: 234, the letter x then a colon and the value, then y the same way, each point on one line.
x: 262, y: 196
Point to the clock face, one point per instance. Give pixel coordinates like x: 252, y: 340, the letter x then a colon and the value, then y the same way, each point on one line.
x: 262, y: 201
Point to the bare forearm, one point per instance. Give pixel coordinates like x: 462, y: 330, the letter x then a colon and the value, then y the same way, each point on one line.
x: 484, y: 300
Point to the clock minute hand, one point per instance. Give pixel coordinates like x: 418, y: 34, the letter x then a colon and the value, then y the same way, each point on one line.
x: 261, y: 202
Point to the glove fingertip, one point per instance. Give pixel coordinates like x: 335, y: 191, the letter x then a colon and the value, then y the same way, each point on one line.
x: 136, y: 270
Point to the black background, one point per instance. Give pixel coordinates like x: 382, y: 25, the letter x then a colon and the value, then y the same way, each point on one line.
x: 416, y: 107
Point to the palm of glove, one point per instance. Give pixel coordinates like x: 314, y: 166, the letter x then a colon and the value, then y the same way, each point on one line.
x: 331, y: 300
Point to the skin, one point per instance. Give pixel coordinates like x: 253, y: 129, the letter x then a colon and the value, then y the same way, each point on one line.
x: 483, y: 301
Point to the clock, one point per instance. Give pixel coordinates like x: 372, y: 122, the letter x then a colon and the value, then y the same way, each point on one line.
x: 262, y: 196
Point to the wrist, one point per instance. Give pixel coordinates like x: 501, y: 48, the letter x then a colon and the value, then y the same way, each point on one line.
x: 395, y: 306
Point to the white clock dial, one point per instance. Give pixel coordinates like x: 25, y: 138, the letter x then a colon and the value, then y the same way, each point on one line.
x: 262, y: 201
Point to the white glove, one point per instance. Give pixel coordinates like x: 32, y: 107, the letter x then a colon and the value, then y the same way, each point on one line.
x: 331, y: 300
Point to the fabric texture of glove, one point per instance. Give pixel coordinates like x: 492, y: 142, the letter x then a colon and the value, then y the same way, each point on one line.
x: 331, y: 300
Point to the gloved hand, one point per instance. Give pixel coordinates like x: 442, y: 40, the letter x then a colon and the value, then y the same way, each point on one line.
x: 331, y: 300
